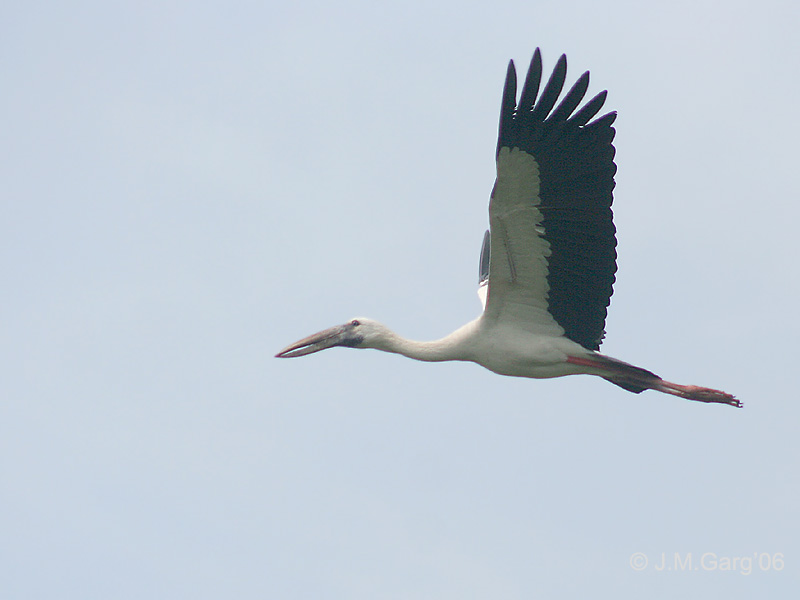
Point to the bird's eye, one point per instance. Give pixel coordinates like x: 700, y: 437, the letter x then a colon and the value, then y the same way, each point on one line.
x: 355, y: 323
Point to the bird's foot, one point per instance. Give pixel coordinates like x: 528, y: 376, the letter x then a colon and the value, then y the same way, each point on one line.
x: 701, y: 394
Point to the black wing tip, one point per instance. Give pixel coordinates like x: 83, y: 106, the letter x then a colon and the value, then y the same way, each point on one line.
x: 511, y: 70
x: 605, y: 121
x: 530, y: 89
x: 507, y: 106
x: 533, y: 109
x: 560, y: 70
x: 550, y: 93
x: 536, y: 58
x: 587, y: 112
x: 536, y: 61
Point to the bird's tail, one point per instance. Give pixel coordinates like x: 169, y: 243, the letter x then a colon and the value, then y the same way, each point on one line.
x: 627, y: 376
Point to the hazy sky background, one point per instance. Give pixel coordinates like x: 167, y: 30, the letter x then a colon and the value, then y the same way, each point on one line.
x: 188, y: 187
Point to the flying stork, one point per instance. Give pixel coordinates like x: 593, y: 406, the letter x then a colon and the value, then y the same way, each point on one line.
x: 548, y: 260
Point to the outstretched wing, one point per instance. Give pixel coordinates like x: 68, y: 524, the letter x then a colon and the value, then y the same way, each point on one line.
x: 552, y: 250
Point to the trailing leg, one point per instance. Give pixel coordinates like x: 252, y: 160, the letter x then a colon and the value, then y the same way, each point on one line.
x: 635, y: 379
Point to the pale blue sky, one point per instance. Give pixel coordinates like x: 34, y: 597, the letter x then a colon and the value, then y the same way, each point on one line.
x: 188, y: 187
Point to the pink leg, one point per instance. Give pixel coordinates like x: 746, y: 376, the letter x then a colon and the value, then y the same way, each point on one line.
x: 640, y: 379
x: 695, y: 392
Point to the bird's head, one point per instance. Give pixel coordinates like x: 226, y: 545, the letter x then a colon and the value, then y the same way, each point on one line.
x: 357, y: 333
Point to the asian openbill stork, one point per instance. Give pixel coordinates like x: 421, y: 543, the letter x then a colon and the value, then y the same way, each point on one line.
x: 548, y: 261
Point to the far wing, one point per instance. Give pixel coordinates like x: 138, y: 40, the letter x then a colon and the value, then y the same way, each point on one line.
x: 483, y: 270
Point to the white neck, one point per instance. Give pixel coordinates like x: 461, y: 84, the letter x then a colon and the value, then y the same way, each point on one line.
x: 452, y: 347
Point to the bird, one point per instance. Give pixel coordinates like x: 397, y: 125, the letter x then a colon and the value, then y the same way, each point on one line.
x: 548, y: 261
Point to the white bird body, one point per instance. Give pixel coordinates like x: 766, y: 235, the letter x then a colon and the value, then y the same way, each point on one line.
x: 548, y: 262
x: 496, y: 346
x: 508, y: 351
